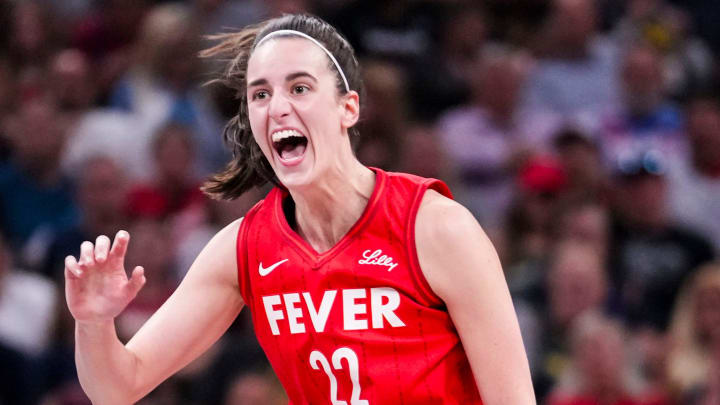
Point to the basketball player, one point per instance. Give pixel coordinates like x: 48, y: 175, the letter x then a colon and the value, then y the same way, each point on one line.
x: 365, y: 287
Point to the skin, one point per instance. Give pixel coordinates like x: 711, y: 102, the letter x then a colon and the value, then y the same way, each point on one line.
x: 330, y: 189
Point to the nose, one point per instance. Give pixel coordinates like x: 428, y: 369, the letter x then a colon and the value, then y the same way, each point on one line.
x: 279, y: 107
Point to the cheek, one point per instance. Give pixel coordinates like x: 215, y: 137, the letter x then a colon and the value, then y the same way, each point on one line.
x: 321, y: 113
x: 258, y: 127
x: 262, y: 143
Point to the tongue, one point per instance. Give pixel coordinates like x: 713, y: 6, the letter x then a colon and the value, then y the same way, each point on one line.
x: 292, y: 151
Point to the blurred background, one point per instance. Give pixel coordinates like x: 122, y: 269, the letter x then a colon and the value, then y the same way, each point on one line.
x: 583, y: 134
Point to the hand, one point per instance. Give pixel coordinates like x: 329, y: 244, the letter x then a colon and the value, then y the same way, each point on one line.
x: 97, y: 288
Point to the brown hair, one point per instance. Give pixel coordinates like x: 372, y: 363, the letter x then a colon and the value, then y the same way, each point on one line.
x: 249, y: 167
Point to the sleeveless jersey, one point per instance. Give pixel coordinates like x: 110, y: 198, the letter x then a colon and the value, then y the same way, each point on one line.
x: 358, y: 324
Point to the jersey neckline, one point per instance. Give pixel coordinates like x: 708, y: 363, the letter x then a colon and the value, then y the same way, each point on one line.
x: 304, y: 247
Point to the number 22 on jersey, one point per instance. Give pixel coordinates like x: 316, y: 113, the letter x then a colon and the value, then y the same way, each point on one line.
x: 317, y: 360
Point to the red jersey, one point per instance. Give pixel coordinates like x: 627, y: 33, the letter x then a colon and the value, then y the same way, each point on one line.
x: 358, y: 324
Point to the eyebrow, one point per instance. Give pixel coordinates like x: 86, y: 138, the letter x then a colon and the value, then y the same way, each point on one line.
x: 288, y: 78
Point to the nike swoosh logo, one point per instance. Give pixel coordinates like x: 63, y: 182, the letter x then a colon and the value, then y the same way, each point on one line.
x: 264, y: 271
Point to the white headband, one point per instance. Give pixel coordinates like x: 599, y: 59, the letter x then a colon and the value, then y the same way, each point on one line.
x: 316, y: 42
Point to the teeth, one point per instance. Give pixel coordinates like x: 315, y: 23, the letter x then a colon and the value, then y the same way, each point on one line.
x: 280, y: 135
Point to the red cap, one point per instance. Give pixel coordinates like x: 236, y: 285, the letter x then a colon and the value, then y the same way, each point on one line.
x: 542, y: 174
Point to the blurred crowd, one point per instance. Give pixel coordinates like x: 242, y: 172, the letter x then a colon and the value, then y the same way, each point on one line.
x: 583, y: 134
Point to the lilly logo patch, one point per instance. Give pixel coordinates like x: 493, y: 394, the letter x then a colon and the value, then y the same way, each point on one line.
x: 377, y: 258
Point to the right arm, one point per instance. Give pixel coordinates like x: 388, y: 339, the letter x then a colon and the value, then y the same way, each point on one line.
x: 193, y: 318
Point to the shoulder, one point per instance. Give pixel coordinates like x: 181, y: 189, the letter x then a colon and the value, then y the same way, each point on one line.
x: 232, y: 228
x: 414, y: 187
x: 440, y: 217
x: 451, y: 245
x: 227, y: 236
x: 219, y: 255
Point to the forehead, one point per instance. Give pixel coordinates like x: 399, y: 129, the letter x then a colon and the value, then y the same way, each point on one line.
x: 276, y: 57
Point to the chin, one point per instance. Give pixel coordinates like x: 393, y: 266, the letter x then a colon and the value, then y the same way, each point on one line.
x: 297, y: 177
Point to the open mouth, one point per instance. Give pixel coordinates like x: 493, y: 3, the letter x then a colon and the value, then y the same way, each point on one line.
x: 289, y: 144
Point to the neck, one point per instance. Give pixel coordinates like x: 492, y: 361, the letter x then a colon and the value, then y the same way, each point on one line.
x: 327, y: 210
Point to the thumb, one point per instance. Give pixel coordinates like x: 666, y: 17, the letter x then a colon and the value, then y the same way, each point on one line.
x: 136, y: 282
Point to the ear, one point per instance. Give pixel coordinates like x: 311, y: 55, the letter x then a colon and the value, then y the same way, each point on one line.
x: 350, y: 104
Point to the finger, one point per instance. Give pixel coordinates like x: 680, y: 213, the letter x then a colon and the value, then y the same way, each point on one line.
x: 87, y: 254
x: 119, y: 247
x: 72, y: 269
x: 102, y: 246
x: 137, y: 281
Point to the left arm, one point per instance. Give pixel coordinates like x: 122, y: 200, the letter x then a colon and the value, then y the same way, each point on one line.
x: 462, y: 267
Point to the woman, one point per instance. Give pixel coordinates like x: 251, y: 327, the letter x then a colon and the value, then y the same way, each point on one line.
x: 364, y: 288
x: 599, y: 361
x: 694, y: 330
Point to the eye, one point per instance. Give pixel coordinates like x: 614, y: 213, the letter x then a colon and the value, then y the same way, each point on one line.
x: 300, y: 89
x: 260, y: 95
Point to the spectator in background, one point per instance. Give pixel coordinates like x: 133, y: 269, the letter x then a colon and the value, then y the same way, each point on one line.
x: 396, y: 30
x: 106, y: 34
x: 102, y: 131
x: 236, y: 354
x: 601, y: 367
x: 586, y: 221
x: 15, y: 371
x: 163, y: 84
x: 102, y: 200
x: 576, y: 283
x: 95, y: 131
x: 544, y: 290
x: 644, y: 119
x: 529, y: 229
x: 422, y: 153
x: 108, y: 26
x: 384, y: 115
x: 71, y: 82
x: 695, y: 181
x: 483, y: 140
x: 26, y: 300
x: 651, y: 255
x: 55, y: 371
x: 695, y: 328
x: 687, y: 61
x: 463, y: 35
x: 582, y: 160
x: 576, y: 76
x: 36, y: 199
x: 152, y: 248
x: 174, y: 187
x: 91, y: 130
